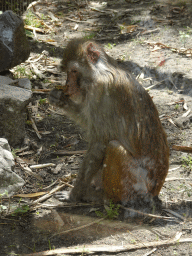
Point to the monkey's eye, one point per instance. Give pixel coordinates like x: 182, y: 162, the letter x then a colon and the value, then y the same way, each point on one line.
x: 74, y: 71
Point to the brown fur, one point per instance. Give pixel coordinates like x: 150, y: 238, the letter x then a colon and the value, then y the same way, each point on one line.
x: 126, y: 140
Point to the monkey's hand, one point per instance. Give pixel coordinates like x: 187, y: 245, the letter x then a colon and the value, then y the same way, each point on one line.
x: 63, y: 196
x: 58, y: 98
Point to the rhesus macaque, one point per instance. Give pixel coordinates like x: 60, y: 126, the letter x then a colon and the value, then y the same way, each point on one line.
x: 127, y: 154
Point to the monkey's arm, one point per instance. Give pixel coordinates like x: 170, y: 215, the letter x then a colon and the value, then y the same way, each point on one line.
x: 92, y: 163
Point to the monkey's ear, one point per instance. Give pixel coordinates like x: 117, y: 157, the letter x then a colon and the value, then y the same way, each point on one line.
x: 93, y: 53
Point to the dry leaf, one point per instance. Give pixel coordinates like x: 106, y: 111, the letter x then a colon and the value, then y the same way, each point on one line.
x: 128, y: 29
x: 32, y: 195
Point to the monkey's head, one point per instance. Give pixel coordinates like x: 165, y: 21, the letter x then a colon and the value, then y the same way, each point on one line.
x: 86, y: 65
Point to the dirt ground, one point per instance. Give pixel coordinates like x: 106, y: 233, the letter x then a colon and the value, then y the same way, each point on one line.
x: 153, y: 39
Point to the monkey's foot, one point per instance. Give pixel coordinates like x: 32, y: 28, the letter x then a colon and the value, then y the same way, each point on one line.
x: 63, y: 196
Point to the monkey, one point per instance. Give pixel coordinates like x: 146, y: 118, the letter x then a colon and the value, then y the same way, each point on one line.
x: 127, y: 145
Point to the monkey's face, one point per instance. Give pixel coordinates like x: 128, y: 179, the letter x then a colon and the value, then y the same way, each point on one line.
x: 83, y: 64
x: 73, y: 91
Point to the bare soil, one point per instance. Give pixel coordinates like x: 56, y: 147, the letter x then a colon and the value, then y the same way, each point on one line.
x: 153, y: 39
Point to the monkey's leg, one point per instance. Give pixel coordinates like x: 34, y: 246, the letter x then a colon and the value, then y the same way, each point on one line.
x: 125, y: 179
x: 92, y: 163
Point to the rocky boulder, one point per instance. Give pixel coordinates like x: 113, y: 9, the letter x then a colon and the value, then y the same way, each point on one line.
x: 14, y: 46
x: 10, y: 182
x: 13, y: 102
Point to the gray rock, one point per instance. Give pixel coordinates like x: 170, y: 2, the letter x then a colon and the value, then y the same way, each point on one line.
x: 9, y: 181
x: 13, y: 102
x: 183, y: 122
x: 21, y: 82
x: 5, y: 80
x: 4, y: 144
x: 24, y: 83
x: 14, y: 47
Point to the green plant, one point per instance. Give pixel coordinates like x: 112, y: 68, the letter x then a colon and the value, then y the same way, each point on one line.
x: 14, y: 151
x: 43, y: 17
x: 90, y: 36
x: 31, y: 20
x: 110, y: 46
x: 180, y: 2
x: 183, y: 36
x: 29, y: 33
x: 189, y: 30
x: 60, y: 14
x: 53, y: 145
x: 112, y: 211
x: 122, y: 57
x: 121, y: 27
x: 186, y: 190
x: 46, y: 81
x: 176, y: 106
x: 49, y: 245
x: 21, y: 210
x: 3, y: 207
x: 28, y: 122
x: 187, y: 162
x: 34, y: 248
x: 20, y: 72
x: 42, y: 101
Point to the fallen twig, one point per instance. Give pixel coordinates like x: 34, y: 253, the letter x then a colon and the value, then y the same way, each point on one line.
x: 147, y: 214
x: 187, y: 52
x: 79, y: 21
x: 182, y: 148
x: 175, y: 168
x: 36, y: 71
x: 174, y: 214
x: 51, y: 185
x: 78, y: 228
x: 150, y: 31
x: 67, y: 184
x: 52, y: 16
x: 25, y: 168
x: 112, y: 249
x: 151, y: 86
x: 34, y: 29
x: 175, y: 102
x: 148, y: 253
x: 186, y: 113
x: 171, y: 121
x: 21, y: 150
x: 35, y: 127
x: 43, y: 198
x: 63, y: 152
x: 30, y: 152
x: 33, y: 4
x: 40, y: 90
x: 39, y: 166
x: 176, y: 178
x: 43, y: 55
